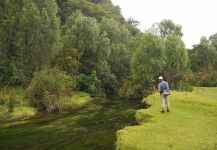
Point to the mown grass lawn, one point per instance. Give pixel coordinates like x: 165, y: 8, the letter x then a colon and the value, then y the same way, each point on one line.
x: 191, y: 124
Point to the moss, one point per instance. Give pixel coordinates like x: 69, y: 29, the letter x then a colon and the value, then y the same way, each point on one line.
x: 24, y: 111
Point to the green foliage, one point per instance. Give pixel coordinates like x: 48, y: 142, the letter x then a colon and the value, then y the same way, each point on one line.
x: 9, y: 42
x: 84, y: 33
x: 91, y: 84
x: 203, y: 55
x: 132, y: 26
x: 47, y: 88
x: 184, y: 86
x: 11, y: 103
x: 88, y: 8
x: 66, y: 60
x: 213, y: 40
x: 30, y: 32
x: 77, y: 100
x: 126, y: 89
x: 101, y: 1
x: 17, y: 93
x: 204, y: 80
x: 41, y: 38
x: 119, y: 36
x: 203, y: 62
x: 176, y: 58
x: 32, y: 40
x: 146, y: 64
x: 111, y: 27
x: 11, y: 97
x: 166, y: 27
x: 92, y: 42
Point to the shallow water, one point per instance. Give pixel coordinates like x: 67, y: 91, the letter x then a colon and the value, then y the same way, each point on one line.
x: 92, y: 127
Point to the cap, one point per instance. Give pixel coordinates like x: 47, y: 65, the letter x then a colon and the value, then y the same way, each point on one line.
x: 160, y: 78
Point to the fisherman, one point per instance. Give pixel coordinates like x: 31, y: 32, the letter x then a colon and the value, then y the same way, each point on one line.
x: 163, y: 88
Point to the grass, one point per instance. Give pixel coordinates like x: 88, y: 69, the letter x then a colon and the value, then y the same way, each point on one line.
x: 78, y: 99
x: 21, y: 104
x: 191, y: 124
x: 19, y: 93
x: 22, y: 107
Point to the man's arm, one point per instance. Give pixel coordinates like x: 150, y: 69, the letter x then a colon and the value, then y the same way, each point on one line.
x: 168, y: 88
x: 158, y: 87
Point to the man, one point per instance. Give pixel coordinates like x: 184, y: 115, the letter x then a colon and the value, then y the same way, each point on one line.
x: 163, y: 88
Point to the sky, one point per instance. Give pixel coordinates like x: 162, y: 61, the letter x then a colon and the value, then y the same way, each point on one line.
x: 197, y: 17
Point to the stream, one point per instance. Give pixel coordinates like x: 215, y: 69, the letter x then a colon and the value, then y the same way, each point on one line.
x: 93, y: 127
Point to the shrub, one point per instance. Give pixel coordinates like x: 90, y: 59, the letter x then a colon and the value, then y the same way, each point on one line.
x: 204, y: 79
x: 2, y: 99
x: 90, y: 84
x: 66, y: 60
x: 48, y: 86
x: 79, y: 99
x: 126, y: 90
x: 19, y: 93
x: 131, y: 90
x: 185, y: 86
x: 209, y: 81
x: 11, y: 103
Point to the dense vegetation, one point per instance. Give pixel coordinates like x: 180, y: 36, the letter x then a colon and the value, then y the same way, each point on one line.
x: 66, y: 56
x: 100, y: 50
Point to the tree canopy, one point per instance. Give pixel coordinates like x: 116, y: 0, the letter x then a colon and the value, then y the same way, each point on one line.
x: 91, y: 41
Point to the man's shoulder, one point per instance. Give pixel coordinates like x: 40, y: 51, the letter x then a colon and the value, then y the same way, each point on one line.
x: 163, y: 82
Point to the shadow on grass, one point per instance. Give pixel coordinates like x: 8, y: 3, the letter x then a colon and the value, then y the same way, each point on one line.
x: 92, y: 127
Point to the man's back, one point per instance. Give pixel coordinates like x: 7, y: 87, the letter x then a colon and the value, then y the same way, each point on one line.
x: 164, y: 86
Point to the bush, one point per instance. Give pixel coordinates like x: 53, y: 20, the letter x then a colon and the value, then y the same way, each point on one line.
x: 78, y: 100
x: 11, y: 103
x: 204, y: 79
x: 184, y: 86
x: 126, y: 90
x: 47, y: 88
x: 131, y: 90
x: 209, y: 81
x: 66, y: 60
x: 90, y: 84
x: 2, y: 99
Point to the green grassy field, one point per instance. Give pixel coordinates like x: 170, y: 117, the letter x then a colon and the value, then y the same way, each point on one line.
x: 191, y: 124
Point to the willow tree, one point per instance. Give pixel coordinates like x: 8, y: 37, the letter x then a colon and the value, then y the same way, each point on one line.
x: 176, y: 58
x: 166, y: 27
x: 39, y: 34
x: 9, y: 42
x: 84, y: 33
x: 147, y: 64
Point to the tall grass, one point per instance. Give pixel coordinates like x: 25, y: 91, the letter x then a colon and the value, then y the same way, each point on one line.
x: 13, y: 100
